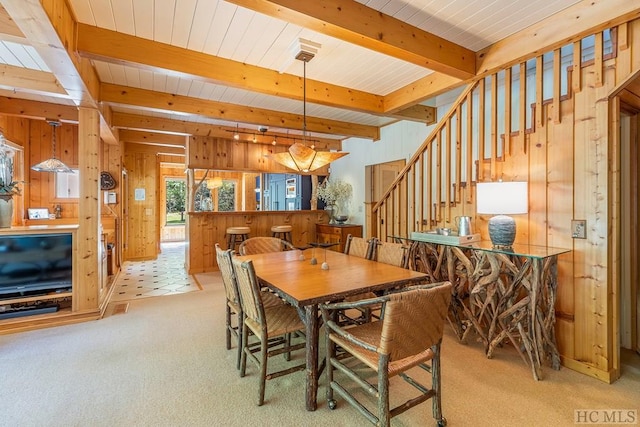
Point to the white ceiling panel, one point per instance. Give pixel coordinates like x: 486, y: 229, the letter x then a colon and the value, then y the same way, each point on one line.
x: 220, y: 28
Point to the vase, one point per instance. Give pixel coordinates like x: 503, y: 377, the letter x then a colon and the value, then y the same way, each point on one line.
x: 331, y: 211
x: 6, y: 211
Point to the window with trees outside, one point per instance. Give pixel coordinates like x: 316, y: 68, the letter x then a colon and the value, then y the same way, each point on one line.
x: 176, y: 190
x: 217, y: 199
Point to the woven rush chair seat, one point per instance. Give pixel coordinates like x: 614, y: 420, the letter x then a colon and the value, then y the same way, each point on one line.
x: 233, y: 307
x: 262, y: 245
x: 408, y: 335
x: 273, y: 326
x: 391, y: 253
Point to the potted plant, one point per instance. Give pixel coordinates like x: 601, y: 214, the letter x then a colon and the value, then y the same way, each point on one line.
x: 8, y: 187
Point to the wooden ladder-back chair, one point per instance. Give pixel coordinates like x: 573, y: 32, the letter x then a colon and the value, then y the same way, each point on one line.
x: 263, y: 245
x: 273, y: 326
x: 391, y: 253
x: 233, y: 306
x: 357, y: 246
x: 408, y: 335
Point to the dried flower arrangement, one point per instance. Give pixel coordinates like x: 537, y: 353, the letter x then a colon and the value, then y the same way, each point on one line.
x: 8, y: 187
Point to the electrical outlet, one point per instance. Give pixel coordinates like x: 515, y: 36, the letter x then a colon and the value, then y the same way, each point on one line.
x: 579, y: 228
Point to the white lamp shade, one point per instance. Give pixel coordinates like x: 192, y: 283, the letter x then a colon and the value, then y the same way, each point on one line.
x: 506, y: 198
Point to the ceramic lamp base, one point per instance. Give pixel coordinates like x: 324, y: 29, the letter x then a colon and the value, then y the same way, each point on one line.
x: 502, y: 231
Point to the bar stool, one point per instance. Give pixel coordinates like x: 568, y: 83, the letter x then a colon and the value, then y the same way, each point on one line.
x: 236, y: 235
x: 282, y: 231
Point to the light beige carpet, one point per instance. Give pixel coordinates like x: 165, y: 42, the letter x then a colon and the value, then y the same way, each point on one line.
x: 164, y: 363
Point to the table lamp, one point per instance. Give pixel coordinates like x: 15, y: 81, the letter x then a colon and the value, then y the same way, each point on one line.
x: 502, y: 199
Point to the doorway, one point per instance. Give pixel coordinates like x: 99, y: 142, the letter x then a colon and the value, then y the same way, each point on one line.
x: 630, y: 231
x: 378, y: 178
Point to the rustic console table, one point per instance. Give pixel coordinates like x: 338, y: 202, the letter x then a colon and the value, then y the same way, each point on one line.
x: 498, y: 294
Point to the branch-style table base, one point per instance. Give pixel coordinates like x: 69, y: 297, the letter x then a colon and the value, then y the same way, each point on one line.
x: 500, y: 295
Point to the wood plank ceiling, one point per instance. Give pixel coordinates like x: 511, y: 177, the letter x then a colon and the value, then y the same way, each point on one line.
x: 207, y: 66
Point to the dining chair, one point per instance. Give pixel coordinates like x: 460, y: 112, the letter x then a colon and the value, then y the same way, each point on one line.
x: 233, y: 306
x: 262, y: 245
x: 273, y: 326
x: 390, y: 253
x: 408, y: 335
x: 360, y: 247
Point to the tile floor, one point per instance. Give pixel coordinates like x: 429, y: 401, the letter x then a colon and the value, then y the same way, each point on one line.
x: 160, y: 277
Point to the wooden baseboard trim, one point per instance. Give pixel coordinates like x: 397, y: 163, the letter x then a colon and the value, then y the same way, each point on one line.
x: 605, y: 376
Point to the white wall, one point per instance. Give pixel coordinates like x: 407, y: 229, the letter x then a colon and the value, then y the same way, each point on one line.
x: 397, y: 141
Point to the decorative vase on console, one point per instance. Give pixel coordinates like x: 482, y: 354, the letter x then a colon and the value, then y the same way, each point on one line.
x: 336, y: 195
x: 6, y: 210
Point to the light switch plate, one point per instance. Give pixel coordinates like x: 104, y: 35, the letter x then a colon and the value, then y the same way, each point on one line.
x: 579, y: 228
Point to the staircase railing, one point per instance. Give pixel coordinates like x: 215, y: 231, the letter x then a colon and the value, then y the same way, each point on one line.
x: 488, y: 122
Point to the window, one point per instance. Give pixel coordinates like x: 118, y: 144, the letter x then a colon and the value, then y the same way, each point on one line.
x: 227, y: 196
x: 67, y: 185
x: 218, y: 199
x: 176, y: 191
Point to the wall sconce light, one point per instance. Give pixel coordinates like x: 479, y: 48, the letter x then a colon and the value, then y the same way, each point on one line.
x: 502, y: 199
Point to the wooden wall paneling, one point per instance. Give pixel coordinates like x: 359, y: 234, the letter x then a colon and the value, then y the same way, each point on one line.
x: 87, y: 287
x: 607, y: 225
x: 142, y: 172
x: 560, y: 168
x: 582, y: 200
x: 614, y: 238
x: 535, y: 228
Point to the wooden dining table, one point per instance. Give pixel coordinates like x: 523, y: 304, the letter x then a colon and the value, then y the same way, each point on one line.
x: 293, y: 276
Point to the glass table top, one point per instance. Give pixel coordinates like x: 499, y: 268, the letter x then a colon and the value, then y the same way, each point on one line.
x: 525, y: 250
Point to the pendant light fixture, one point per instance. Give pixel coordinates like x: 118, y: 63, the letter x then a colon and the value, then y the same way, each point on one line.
x: 52, y: 164
x: 300, y: 157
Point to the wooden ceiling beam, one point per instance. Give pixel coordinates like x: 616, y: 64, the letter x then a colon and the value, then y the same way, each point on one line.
x: 183, y: 127
x: 153, y: 100
x: 153, y: 149
x: 153, y: 138
x: 356, y: 23
x: 421, y: 90
x: 8, y: 26
x: 32, y: 81
x: 38, y: 110
x: 418, y: 113
x: 113, y: 47
x: 50, y: 27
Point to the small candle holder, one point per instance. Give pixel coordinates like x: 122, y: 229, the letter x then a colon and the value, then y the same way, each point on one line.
x: 324, y: 265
